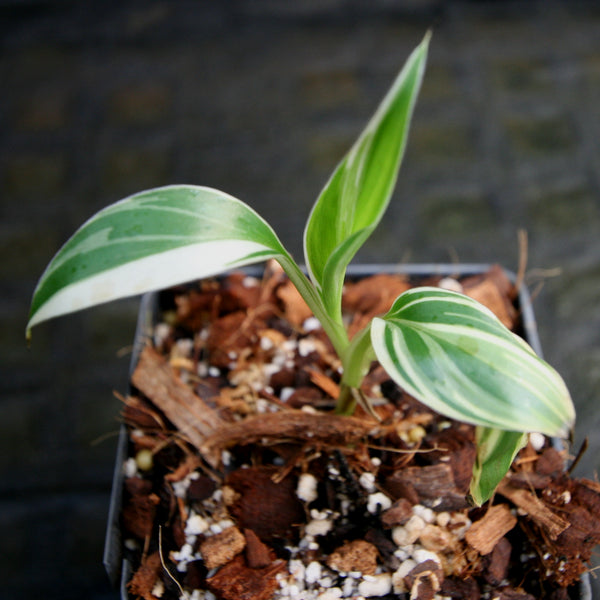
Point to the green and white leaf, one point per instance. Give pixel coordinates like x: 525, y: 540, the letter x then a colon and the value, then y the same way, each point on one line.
x: 496, y: 449
x: 454, y: 355
x: 152, y: 240
x: 358, y: 193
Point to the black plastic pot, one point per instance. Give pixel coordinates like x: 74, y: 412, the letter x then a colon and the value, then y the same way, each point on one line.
x: 118, y: 568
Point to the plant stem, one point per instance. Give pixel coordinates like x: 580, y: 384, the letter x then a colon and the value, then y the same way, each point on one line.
x: 356, y: 355
x: 346, y: 402
x: 334, y: 330
x: 355, y: 362
x: 357, y: 358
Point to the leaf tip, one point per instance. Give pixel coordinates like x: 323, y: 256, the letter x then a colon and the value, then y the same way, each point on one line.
x: 28, y: 334
x: 474, y: 500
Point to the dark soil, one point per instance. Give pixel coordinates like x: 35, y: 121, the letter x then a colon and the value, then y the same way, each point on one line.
x: 243, y: 483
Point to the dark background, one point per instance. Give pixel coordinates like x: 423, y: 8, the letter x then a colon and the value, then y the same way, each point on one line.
x: 261, y: 98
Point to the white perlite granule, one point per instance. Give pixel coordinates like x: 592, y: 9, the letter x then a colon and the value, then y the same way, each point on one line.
x: 425, y: 513
x: 201, y: 595
x: 159, y: 589
x: 398, y: 576
x: 537, y: 440
x: 312, y: 573
x: 375, y: 585
x: 180, y: 488
x: 330, y: 594
x: 378, y: 502
x: 183, y: 347
x: 421, y: 555
x: 318, y: 527
x: 196, y: 525
x: 306, y: 346
x: 130, y: 468
x: 449, y: 283
x: 266, y: 343
x: 250, y: 282
x: 183, y: 557
x: 409, y: 533
x: 367, y: 481
x: 286, y: 393
x: 307, y: 487
x: 161, y: 332
x: 349, y: 587
x: 311, y: 324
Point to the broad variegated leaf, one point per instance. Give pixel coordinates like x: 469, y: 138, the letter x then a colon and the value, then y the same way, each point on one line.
x: 454, y: 355
x: 496, y: 449
x: 154, y: 239
x: 355, y: 198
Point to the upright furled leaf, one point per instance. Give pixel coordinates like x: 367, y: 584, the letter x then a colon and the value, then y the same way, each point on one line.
x: 355, y: 198
x: 151, y: 240
x: 454, y: 355
x: 496, y: 449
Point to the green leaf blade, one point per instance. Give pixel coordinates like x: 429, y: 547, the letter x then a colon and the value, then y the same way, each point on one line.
x: 496, y: 450
x: 359, y: 191
x: 151, y: 240
x: 335, y: 270
x: 455, y: 356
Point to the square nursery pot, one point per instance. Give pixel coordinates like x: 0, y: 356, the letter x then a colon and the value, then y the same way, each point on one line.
x: 135, y: 497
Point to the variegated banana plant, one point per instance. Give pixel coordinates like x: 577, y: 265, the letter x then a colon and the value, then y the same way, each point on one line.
x: 445, y: 349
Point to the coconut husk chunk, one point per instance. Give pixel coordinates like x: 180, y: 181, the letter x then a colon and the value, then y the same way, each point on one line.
x: 237, y: 580
x: 158, y: 381
x: 484, y: 534
x: 144, y: 579
x: 220, y: 548
x: 357, y: 555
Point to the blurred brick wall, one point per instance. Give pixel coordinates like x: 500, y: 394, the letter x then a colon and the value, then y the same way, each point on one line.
x: 261, y: 99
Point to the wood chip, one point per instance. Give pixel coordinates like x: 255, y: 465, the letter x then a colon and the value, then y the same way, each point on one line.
x: 296, y: 309
x: 498, y: 561
x: 143, y: 580
x: 430, y: 481
x: 187, y: 466
x: 270, y: 508
x: 258, y: 555
x: 375, y: 294
x: 425, y: 580
x: 551, y: 462
x: 484, y: 534
x: 237, y: 581
x: 139, y: 414
x: 529, y: 480
x: 493, y: 290
x: 398, y: 514
x: 457, y: 448
x: 489, y: 295
x: 437, y: 539
x: 195, y: 420
x: 200, y: 488
x: 138, y: 514
x: 370, y: 297
x: 465, y: 588
x: 330, y: 387
x: 552, y: 524
x: 219, y: 549
x: 508, y: 593
x: 229, y: 333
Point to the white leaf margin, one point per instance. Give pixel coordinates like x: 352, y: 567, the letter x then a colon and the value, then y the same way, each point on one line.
x: 141, y: 275
x: 460, y: 397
